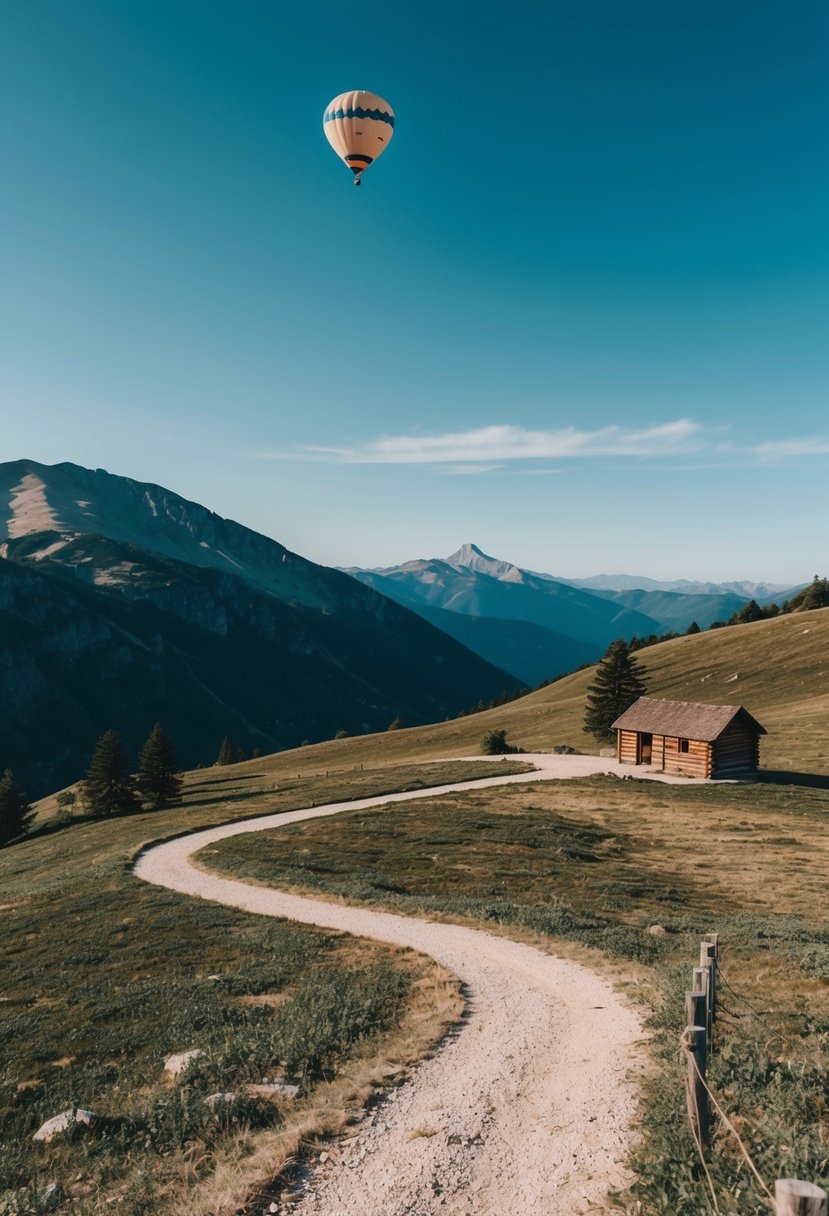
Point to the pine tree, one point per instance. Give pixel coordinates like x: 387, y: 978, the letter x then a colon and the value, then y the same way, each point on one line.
x: 109, y: 789
x: 159, y: 783
x: 227, y: 752
x: 619, y: 681
x: 15, y: 812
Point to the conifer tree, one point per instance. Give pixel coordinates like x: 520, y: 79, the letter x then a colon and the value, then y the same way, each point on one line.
x: 159, y: 783
x: 109, y: 788
x: 227, y: 752
x: 15, y: 812
x: 619, y: 681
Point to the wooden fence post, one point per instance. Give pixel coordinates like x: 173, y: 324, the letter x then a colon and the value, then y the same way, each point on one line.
x: 694, y: 1038
x: 702, y: 983
x: 708, y: 959
x: 696, y: 1007
x: 795, y: 1198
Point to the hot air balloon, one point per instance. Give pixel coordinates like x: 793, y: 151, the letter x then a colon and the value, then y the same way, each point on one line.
x: 359, y: 126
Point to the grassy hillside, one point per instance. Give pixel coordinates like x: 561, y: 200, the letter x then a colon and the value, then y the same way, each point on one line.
x: 595, y: 861
x: 778, y: 669
x: 618, y: 866
x: 781, y: 667
x: 104, y: 976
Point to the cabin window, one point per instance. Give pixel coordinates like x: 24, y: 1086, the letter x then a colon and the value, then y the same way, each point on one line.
x: 682, y: 745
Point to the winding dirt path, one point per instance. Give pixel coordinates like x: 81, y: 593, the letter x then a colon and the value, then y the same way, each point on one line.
x: 526, y: 1111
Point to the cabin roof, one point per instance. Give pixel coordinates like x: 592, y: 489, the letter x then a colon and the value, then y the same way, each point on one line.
x: 683, y: 719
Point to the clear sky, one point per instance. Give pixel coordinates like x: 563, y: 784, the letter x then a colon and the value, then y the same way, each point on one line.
x: 578, y: 312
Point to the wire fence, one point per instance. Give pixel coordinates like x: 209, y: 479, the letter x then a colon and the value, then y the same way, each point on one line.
x: 791, y: 1197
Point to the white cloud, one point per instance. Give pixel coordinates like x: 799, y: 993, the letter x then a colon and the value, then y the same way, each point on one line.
x: 485, y: 448
x: 469, y: 469
x: 783, y: 449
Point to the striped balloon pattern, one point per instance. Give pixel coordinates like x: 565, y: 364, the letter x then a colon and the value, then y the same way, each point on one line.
x: 359, y: 126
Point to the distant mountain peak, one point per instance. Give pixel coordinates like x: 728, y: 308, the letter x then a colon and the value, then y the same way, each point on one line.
x: 467, y: 553
x: 471, y: 557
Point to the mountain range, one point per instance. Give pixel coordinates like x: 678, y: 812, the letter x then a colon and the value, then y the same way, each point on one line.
x: 533, y: 624
x: 122, y: 603
x: 763, y: 593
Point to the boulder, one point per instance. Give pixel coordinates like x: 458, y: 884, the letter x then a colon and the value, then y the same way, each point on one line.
x: 175, y: 1065
x: 63, y: 1122
x: 52, y: 1197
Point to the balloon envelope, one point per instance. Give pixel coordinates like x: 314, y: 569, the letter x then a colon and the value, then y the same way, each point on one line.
x: 359, y: 126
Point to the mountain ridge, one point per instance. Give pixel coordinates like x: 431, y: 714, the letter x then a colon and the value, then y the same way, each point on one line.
x: 248, y: 638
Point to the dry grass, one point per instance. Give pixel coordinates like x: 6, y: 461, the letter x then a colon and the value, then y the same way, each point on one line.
x: 254, y: 1171
x: 610, y: 859
x: 596, y: 863
x: 781, y: 667
x: 710, y: 848
x: 104, y: 976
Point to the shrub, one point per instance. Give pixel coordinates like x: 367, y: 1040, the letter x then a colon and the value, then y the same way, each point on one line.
x: 494, y: 743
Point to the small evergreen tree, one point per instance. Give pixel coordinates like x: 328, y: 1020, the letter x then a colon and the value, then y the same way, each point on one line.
x: 227, y: 752
x: 693, y: 628
x: 109, y: 788
x: 159, y: 783
x: 619, y: 681
x: 748, y: 613
x: 15, y: 812
x: 816, y: 595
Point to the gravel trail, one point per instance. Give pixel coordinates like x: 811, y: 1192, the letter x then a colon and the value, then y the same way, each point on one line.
x: 527, y: 1110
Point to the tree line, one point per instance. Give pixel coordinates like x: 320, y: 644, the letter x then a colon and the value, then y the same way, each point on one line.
x: 109, y: 788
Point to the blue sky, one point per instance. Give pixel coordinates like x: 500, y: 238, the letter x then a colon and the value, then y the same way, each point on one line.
x: 577, y: 313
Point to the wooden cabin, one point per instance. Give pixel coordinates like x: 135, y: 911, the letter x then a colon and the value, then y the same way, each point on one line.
x: 689, y: 739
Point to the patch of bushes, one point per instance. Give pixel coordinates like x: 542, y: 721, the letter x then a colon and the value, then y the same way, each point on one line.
x: 494, y: 743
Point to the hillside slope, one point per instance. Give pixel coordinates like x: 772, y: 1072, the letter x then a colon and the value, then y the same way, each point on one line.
x: 782, y: 677
x: 528, y: 651
x: 246, y: 639
x: 674, y: 612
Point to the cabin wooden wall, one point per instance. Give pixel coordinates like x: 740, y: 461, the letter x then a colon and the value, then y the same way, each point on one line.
x: 737, y: 750
x: 696, y: 762
x: 627, y: 747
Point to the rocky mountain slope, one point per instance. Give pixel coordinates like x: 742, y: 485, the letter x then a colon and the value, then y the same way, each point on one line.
x: 122, y: 604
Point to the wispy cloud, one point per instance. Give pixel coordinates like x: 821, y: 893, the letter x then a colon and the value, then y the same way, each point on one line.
x: 469, y: 469
x: 787, y: 449
x: 485, y: 448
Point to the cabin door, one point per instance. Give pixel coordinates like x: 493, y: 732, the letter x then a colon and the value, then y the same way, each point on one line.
x: 645, y: 748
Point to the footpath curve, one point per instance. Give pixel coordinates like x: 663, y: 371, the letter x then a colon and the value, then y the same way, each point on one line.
x: 527, y: 1110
